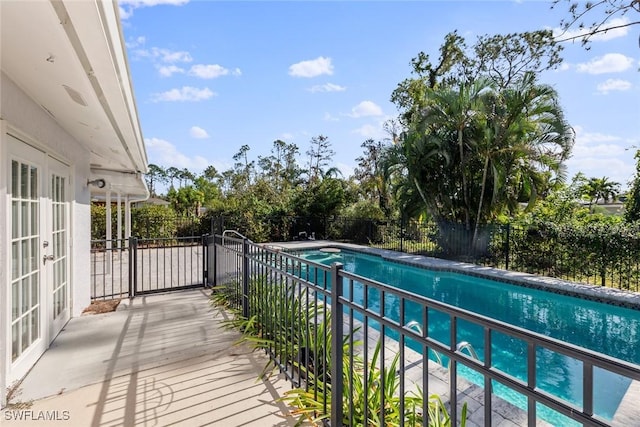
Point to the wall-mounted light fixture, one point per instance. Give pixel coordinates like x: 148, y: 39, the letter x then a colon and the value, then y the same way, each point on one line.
x: 100, y: 183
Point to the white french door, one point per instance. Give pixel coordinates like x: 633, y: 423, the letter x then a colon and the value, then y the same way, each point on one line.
x: 56, y: 256
x: 39, y: 248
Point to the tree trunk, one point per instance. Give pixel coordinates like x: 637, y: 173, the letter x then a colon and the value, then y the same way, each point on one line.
x: 465, y: 196
x: 484, y: 182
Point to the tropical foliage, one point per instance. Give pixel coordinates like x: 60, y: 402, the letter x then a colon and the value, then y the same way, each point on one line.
x: 481, y: 135
x: 295, y: 330
x: 632, y: 211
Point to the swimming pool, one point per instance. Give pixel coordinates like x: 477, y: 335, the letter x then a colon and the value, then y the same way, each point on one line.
x: 606, y: 328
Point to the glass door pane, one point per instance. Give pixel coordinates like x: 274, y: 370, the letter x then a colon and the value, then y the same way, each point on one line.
x: 25, y: 256
x: 60, y: 244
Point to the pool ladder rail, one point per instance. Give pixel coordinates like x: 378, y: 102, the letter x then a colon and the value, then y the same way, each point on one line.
x: 462, y: 345
x: 237, y: 233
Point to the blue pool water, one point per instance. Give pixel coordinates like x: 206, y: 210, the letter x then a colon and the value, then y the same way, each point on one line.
x: 605, y: 328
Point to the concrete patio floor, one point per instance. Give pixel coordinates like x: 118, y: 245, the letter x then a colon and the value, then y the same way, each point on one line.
x: 157, y: 361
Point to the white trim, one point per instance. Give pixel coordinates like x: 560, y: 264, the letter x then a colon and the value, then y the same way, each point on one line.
x: 4, y: 269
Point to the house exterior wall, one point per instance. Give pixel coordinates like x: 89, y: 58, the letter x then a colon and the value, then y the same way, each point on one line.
x: 26, y: 120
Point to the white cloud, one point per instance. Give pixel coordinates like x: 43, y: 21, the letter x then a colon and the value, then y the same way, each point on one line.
x: 609, y: 63
x: 365, y: 109
x: 329, y: 118
x: 327, y: 87
x: 198, y: 133
x: 164, y: 55
x: 169, y: 70
x: 186, y: 93
x: 614, y: 84
x: 164, y: 153
x: 616, y: 169
x: 368, y: 131
x: 211, y: 71
x: 597, y: 155
x: 560, y: 34
x: 312, y: 68
x: 585, y: 138
x: 127, y: 6
x: 139, y: 41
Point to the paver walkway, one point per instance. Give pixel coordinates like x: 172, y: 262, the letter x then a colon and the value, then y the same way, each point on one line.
x: 162, y: 360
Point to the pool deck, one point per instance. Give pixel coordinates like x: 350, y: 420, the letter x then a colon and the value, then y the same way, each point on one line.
x: 159, y: 360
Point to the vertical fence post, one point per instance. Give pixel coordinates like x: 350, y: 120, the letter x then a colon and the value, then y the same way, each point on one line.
x: 401, y: 232
x: 245, y: 278
x: 133, y: 265
x: 215, y: 261
x: 336, y: 345
x: 603, y: 267
x: 507, y: 247
x: 205, y: 259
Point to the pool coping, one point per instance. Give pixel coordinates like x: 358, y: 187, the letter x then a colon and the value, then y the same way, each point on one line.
x: 601, y: 294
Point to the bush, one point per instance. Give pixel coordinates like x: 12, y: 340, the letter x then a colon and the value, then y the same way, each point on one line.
x: 149, y: 221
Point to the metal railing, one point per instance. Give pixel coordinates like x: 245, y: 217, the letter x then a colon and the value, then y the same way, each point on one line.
x: 598, y: 255
x: 110, y: 273
x: 125, y: 268
x: 312, y: 315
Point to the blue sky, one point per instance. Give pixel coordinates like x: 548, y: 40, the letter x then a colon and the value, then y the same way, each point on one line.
x: 211, y: 76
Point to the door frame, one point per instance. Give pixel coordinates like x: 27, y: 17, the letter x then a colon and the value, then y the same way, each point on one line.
x: 54, y: 165
x: 16, y: 141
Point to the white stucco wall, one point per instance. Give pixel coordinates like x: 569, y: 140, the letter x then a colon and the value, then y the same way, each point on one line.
x: 19, y: 115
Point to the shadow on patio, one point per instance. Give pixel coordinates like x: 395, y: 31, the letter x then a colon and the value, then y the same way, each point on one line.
x: 163, y: 360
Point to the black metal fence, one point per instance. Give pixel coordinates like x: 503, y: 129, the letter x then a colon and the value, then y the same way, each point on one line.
x: 125, y: 268
x: 603, y: 255
x: 309, y: 316
x: 111, y: 276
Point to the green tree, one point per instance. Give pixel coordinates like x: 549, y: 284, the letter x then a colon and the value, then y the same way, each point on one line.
x: 600, y: 188
x: 502, y: 58
x: 172, y: 173
x: 320, y: 155
x: 156, y: 175
x: 370, y: 175
x: 322, y: 198
x: 185, y: 176
x: 632, y: 205
x: 472, y: 144
x: 243, y: 169
x: 211, y: 194
x: 186, y: 200
x: 280, y: 168
x: 211, y: 173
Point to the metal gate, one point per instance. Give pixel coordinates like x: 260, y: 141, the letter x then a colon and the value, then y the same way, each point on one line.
x: 125, y: 268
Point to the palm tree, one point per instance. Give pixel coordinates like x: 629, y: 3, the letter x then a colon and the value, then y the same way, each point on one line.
x: 473, y: 143
x: 600, y: 188
x: 526, y: 140
x: 458, y: 109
